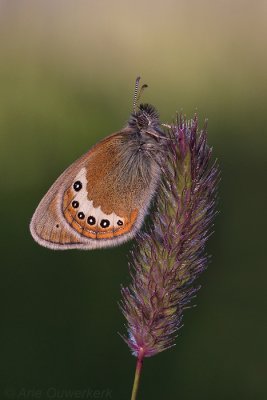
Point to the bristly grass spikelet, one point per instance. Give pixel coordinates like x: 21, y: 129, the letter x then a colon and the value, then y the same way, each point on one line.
x: 168, y: 258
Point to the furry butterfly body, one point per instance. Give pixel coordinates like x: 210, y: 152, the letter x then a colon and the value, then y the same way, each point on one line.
x: 102, y: 198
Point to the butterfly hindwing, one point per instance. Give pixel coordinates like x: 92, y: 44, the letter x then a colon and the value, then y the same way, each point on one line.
x: 94, y: 203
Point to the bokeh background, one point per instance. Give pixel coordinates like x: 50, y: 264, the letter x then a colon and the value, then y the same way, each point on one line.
x: 67, y: 73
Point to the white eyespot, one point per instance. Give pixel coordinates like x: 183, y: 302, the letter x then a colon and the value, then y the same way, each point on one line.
x: 91, y: 220
x: 104, y: 223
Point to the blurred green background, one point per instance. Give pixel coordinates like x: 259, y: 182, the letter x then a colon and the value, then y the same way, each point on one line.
x: 67, y: 73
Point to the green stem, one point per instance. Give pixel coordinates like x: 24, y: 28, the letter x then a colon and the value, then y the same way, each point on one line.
x: 138, y: 370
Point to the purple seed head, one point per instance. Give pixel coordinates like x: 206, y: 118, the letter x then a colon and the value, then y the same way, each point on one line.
x: 168, y: 258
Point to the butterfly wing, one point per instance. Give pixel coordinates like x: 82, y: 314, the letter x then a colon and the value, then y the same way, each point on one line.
x: 99, y: 201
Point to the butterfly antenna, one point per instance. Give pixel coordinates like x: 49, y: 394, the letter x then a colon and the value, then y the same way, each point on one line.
x: 135, y: 99
x: 141, y: 91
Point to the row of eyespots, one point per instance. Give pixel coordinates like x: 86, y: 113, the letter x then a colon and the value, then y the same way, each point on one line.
x: 92, y: 221
x: 105, y: 223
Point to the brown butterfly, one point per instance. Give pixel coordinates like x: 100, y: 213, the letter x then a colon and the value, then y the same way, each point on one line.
x: 102, y: 198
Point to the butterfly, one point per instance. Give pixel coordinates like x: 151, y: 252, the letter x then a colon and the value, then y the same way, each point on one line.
x: 102, y: 198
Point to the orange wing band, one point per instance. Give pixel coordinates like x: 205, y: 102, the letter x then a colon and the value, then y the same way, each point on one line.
x: 97, y: 232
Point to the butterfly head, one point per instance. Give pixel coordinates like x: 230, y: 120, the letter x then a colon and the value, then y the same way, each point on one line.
x: 145, y: 118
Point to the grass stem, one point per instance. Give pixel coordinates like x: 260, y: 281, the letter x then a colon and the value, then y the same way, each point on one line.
x: 137, y: 376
